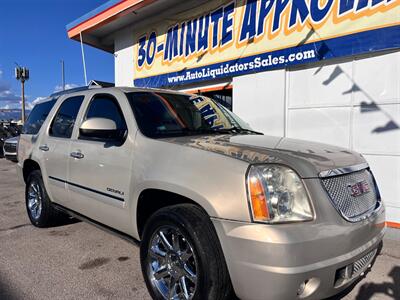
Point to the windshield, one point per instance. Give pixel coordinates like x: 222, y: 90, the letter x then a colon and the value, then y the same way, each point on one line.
x: 167, y: 114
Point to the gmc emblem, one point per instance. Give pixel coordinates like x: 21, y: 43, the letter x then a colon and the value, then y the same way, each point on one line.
x: 359, y: 188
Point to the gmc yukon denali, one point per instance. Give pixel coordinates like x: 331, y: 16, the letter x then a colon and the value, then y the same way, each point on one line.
x: 220, y: 210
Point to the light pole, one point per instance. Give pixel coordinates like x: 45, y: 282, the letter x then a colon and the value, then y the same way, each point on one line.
x: 22, y: 74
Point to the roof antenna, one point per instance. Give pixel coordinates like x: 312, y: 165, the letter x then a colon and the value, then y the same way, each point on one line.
x: 83, y: 59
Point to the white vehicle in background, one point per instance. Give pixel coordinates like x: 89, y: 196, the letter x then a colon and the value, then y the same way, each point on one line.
x: 10, y: 148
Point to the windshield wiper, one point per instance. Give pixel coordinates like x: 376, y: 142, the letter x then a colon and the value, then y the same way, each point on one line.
x: 187, y: 131
x: 238, y: 130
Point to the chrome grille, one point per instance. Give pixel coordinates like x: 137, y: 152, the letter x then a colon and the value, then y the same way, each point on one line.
x: 10, y: 148
x: 351, y: 206
x: 360, y: 265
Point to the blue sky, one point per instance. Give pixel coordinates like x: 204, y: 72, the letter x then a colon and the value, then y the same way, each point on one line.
x: 33, y: 34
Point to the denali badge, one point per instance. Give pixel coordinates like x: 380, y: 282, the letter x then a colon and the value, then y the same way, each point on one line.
x: 115, y: 191
x: 359, y: 188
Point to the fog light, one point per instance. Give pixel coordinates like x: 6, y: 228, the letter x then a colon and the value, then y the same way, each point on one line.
x: 302, y: 287
x: 308, y: 287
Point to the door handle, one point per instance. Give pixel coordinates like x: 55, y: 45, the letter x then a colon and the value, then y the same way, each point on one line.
x: 77, y: 155
x: 44, y: 148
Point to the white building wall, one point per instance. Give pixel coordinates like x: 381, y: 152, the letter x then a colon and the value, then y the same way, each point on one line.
x: 353, y: 104
x: 124, y: 64
x: 260, y: 100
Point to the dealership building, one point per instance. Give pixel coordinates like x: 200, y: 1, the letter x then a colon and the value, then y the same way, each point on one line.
x: 326, y: 71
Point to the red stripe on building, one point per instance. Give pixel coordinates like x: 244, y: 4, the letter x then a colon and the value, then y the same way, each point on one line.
x: 118, y: 10
x: 393, y: 225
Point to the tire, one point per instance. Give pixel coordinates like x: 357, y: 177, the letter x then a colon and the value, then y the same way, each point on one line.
x: 44, y: 215
x: 195, y: 250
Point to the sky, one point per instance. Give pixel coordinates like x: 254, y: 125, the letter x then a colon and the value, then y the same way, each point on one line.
x: 33, y: 34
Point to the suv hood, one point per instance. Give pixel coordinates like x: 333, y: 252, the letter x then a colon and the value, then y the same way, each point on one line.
x: 307, y: 158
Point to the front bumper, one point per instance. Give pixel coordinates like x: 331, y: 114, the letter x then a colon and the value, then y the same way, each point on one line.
x: 272, y: 261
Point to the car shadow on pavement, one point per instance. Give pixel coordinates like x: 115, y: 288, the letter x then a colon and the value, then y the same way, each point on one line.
x: 6, y: 291
x: 391, y: 289
x: 64, y: 221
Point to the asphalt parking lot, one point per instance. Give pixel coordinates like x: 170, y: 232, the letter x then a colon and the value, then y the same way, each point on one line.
x: 79, y: 261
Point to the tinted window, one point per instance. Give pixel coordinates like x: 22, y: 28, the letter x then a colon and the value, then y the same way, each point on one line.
x: 106, y: 107
x: 37, y: 117
x: 163, y: 114
x: 64, y: 121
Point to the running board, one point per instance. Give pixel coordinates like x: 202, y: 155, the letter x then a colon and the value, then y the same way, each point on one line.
x: 99, y: 225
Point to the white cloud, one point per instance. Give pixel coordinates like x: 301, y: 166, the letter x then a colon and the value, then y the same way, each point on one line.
x: 8, y: 98
x: 1, y: 73
x: 38, y: 99
x: 31, y: 104
x: 68, y: 86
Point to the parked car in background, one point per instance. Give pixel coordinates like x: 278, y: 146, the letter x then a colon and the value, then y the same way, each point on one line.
x: 219, y: 209
x: 8, y: 129
x: 10, y: 148
x: 14, y: 129
x: 2, y: 139
x: 4, y: 134
x: 11, y: 127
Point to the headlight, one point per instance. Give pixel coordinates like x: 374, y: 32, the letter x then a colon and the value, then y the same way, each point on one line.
x: 277, y: 195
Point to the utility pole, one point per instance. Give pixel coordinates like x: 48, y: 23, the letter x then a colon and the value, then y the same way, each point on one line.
x: 22, y: 74
x: 62, y: 75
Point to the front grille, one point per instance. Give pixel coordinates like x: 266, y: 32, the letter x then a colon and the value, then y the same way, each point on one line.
x: 10, y: 148
x: 360, y: 265
x: 352, y: 206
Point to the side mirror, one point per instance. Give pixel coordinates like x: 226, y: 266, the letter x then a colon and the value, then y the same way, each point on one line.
x: 99, y: 128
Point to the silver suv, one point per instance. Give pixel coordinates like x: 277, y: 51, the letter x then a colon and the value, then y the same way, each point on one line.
x: 219, y: 209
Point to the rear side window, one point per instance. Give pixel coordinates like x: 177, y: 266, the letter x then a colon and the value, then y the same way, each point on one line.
x: 37, y: 117
x: 64, y: 121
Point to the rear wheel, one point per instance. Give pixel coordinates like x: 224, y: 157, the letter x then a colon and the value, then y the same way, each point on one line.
x: 181, y: 256
x: 38, y: 204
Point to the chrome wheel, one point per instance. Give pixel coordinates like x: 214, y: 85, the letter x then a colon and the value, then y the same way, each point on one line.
x: 34, y: 200
x: 172, y: 264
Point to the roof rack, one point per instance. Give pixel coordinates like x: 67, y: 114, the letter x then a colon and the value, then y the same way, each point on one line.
x: 92, y: 84
x: 98, y: 83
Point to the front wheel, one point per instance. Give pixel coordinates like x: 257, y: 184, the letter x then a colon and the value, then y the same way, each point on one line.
x: 38, y: 205
x: 181, y: 256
